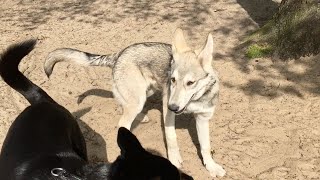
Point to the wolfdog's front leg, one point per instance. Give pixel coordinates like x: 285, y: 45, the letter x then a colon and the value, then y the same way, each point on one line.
x: 170, y: 133
x: 202, y: 123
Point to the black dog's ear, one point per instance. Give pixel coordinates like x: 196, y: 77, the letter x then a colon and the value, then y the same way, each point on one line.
x: 128, y: 143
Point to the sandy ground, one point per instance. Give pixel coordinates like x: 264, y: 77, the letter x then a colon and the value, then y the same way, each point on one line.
x: 267, y: 123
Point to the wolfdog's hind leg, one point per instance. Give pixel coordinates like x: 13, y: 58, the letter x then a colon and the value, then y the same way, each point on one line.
x: 132, y: 105
x: 129, y: 114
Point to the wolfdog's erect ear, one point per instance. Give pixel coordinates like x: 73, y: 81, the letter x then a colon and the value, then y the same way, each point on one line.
x: 128, y: 143
x: 205, y: 55
x: 179, y: 44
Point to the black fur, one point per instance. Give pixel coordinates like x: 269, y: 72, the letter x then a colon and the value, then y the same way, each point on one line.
x: 46, y: 136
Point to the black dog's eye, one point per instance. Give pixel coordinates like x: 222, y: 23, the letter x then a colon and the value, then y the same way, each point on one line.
x: 173, y: 80
x: 189, y: 83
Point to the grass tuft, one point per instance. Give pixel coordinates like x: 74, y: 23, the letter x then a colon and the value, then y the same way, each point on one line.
x: 258, y: 51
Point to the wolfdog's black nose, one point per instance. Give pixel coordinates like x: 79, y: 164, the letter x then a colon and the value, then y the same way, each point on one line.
x: 173, y: 107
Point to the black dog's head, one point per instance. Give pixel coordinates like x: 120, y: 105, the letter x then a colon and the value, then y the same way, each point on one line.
x: 136, y: 163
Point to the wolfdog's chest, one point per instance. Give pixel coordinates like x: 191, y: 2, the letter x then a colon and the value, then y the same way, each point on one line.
x: 205, y: 104
x: 199, y: 107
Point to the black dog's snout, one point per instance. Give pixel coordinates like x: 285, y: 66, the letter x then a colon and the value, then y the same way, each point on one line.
x: 173, y: 107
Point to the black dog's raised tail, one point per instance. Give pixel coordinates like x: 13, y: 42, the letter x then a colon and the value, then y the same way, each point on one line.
x: 9, y: 62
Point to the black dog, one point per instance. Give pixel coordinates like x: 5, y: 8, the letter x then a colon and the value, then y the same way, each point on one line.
x: 45, y: 141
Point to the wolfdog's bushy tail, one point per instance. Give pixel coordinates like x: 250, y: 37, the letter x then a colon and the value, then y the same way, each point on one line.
x: 79, y: 57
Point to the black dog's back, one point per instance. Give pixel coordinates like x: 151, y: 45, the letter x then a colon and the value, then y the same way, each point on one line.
x: 45, y: 135
x: 41, y: 138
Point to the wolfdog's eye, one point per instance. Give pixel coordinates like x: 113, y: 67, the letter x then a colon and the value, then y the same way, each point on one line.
x: 189, y: 83
x: 173, y: 80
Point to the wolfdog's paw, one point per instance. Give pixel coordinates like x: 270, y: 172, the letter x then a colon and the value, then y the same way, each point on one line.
x: 175, y: 157
x: 214, y: 169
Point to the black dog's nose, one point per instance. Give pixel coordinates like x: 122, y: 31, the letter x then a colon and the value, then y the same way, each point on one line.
x: 173, y: 107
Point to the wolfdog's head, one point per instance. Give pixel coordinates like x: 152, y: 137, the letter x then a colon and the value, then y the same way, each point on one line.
x: 191, y: 72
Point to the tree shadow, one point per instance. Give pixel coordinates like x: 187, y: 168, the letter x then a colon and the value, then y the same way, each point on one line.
x: 96, y: 145
x: 259, y: 10
x: 293, y: 76
x: 289, y: 77
x: 278, y: 76
x: 96, y: 12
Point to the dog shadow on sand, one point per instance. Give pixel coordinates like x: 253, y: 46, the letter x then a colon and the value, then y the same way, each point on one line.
x: 184, y: 121
x: 96, y: 145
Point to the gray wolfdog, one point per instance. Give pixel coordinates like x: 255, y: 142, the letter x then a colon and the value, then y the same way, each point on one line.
x: 186, y: 78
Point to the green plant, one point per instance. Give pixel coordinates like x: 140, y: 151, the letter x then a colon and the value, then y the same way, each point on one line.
x: 257, y: 51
